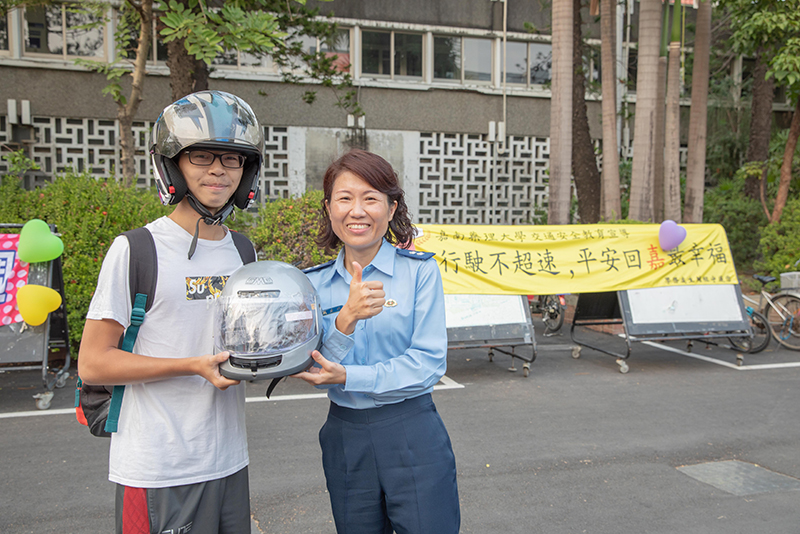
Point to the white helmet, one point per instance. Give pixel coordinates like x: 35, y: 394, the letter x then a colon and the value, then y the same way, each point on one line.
x: 268, y: 317
x: 207, y: 119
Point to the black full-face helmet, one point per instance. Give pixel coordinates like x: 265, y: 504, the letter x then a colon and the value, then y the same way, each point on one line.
x: 213, y: 120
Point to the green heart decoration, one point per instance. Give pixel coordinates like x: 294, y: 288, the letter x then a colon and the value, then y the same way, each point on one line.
x: 37, y: 243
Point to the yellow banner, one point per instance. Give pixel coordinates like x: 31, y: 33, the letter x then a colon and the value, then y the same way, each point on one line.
x: 541, y: 260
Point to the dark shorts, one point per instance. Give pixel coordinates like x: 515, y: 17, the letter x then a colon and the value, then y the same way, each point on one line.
x: 390, y: 468
x: 215, y: 507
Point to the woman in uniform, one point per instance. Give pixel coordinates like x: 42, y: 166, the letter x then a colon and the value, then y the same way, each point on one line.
x: 388, y: 461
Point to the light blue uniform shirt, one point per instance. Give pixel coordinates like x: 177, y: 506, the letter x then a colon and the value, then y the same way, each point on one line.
x: 398, y: 354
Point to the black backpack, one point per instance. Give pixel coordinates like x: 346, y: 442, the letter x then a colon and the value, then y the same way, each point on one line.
x: 98, y: 406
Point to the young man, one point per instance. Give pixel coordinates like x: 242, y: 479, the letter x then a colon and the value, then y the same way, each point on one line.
x: 179, y: 457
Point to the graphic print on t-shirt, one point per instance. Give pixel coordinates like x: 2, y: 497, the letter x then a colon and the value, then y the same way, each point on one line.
x: 204, y: 287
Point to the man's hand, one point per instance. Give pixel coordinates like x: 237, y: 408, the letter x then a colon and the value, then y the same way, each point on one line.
x: 208, y: 368
x: 328, y: 372
x: 366, y: 299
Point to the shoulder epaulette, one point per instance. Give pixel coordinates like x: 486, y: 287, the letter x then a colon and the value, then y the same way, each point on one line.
x: 318, y: 267
x: 416, y: 254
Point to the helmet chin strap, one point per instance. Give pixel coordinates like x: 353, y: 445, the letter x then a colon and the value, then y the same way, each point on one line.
x: 211, y: 219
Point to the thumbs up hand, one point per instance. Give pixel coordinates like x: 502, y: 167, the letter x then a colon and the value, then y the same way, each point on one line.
x: 366, y: 300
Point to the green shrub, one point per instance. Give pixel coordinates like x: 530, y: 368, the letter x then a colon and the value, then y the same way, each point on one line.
x: 88, y: 214
x: 741, y: 216
x: 287, y: 228
x: 780, y: 242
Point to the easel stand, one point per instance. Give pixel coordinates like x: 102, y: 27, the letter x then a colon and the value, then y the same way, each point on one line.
x: 494, y: 336
x: 703, y: 312
x: 25, y: 348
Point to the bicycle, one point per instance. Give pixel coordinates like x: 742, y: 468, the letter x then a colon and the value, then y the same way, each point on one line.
x: 762, y: 334
x: 551, y: 307
x: 781, y: 312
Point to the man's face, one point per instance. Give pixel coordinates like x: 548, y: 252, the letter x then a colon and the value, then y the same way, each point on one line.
x: 212, y: 176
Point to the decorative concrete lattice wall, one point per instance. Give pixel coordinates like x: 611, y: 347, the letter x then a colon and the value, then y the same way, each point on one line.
x: 92, y: 145
x: 463, y: 180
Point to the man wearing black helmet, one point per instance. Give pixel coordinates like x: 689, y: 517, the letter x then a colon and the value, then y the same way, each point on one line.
x: 179, y: 457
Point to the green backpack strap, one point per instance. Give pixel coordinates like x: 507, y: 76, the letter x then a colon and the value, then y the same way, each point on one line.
x: 142, y: 278
x: 137, y: 318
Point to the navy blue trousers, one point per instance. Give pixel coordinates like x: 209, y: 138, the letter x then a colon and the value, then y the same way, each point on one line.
x: 390, y: 468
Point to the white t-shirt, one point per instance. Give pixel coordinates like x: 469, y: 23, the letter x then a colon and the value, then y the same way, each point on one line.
x: 180, y: 430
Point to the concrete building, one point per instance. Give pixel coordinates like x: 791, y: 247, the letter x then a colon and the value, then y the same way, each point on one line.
x: 466, y: 130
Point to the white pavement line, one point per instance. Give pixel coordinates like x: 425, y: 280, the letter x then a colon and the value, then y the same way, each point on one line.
x: 37, y: 412
x: 445, y: 383
x: 757, y: 367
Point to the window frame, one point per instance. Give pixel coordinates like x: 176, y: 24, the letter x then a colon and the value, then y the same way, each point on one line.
x: 392, y: 55
x: 63, y: 55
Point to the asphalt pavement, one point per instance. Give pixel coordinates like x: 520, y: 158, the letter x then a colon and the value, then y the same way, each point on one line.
x: 684, y: 442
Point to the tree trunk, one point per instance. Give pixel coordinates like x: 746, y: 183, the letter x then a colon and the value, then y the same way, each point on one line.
x: 641, y: 200
x: 658, y: 142
x: 760, y: 121
x: 611, y: 200
x: 200, y: 77
x: 672, y: 150
x: 786, y: 167
x: 126, y: 112
x: 561, y: 114
x: 698, y: 117
x: 584, y: 160
x: 181, y: 69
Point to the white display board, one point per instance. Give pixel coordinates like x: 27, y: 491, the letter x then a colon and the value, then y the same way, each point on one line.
x: 685, y: 304
x: 480, y: 310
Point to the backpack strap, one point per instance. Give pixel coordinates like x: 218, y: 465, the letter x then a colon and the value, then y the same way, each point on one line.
x: 142, y: 266
x: 142, y: 279
x: 244, y: 246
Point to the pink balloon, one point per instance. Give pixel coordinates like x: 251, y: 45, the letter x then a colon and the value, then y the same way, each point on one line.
x: 670, y: 235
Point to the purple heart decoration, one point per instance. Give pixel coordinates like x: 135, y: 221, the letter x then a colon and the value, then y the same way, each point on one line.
x: 670, y: 235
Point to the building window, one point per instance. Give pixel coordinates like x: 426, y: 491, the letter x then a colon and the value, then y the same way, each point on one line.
x: 516, y: 62
x: 376, y: 53
x: 447, y: 58
x: 391, y: 54
x: 477, y: 59
x: 541, y: 55
x: 4, y: 33
x: 633, y: 69
x: 528, y: 63
x: 65, y: 30
x: 592, y: 63
x: 467, y: 59
x: 408, y: 55
x: 339, y: 49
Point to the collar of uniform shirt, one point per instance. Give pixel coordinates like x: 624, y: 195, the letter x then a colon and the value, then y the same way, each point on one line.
x: 383, y: 261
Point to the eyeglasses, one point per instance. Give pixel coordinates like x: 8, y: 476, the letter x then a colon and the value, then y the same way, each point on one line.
x: 204, y: 158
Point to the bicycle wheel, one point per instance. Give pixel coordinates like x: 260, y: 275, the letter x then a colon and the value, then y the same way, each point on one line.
x: 783, y: 316
x: 761, y: 335
x: 552, y: 313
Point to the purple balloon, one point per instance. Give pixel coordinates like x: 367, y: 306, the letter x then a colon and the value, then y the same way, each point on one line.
x: 670, y: 235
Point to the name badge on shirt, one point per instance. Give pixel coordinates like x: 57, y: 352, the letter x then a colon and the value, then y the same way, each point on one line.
x: 331, y: 310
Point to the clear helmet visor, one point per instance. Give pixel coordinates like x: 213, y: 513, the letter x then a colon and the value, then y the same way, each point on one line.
x: 261, y: 324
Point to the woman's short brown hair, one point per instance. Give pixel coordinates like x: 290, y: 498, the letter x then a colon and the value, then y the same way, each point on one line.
x: 378, y: 173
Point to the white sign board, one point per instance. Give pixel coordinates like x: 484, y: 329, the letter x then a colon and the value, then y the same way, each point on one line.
x: 685, y: 304
x: 480, y: 310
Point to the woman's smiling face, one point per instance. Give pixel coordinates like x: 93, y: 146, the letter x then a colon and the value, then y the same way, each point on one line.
x: 359, y: 214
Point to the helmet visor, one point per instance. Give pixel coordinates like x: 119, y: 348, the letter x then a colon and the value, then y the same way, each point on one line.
x: 264, y: 322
